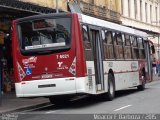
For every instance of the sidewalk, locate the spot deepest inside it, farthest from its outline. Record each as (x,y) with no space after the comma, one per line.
(155,78)
(11,103)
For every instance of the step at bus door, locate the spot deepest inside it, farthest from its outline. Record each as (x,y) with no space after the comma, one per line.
(95,37)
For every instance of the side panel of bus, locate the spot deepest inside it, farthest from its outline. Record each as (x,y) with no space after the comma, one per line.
(126,73)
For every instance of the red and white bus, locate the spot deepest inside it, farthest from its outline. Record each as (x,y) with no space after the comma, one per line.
(68,54)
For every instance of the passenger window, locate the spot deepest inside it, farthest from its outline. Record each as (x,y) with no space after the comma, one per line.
(140,42)
(87,44)
(127,47)
(108,44)
(118,45)
(127,40)
(135,50)
(141,48)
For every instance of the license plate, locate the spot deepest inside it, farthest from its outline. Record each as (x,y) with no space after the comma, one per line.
(46,76)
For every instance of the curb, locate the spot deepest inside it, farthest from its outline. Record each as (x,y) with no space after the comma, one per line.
(153,82)
(23,108)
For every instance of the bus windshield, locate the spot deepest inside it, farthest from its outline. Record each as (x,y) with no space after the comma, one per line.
(44,34)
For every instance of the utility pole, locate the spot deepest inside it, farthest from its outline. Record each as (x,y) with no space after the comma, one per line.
(158,46)
(0,81)
(57,11)
(159,31)
(158,40)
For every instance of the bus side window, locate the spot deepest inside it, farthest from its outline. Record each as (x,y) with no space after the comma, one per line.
(135,50)
(108,45)
(118,45)
(127,46)
(87,44)
(141,48)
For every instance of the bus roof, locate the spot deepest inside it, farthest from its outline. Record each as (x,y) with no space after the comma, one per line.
(95,21)
(110,25)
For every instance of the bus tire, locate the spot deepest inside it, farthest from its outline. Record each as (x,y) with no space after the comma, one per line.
(111,87)
(142,86)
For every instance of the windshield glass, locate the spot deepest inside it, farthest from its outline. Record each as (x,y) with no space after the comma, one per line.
(45,33)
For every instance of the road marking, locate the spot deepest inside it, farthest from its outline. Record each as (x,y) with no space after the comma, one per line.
(49,112)
(123,107)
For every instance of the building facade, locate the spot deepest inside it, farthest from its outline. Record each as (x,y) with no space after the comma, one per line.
(139,14)
(62,4)
(105,9)
(144,15)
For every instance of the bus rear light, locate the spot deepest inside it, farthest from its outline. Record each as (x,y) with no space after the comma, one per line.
(72,68)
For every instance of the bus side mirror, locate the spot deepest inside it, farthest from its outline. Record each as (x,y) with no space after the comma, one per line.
(153,49)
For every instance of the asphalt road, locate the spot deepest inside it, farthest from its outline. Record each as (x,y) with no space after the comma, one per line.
(129,101)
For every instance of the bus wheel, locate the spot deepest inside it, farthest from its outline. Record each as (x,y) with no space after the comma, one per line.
(142,86)
(111,87)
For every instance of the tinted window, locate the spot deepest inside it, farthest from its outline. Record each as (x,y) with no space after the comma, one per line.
(108,44)
(45,34)
(118,42)
(140,42)
(141,48)
(135,50)
(87,44)
(127,40)
(127,47)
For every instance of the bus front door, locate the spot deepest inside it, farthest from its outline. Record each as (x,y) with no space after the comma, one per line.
(148,60)
(98,60)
